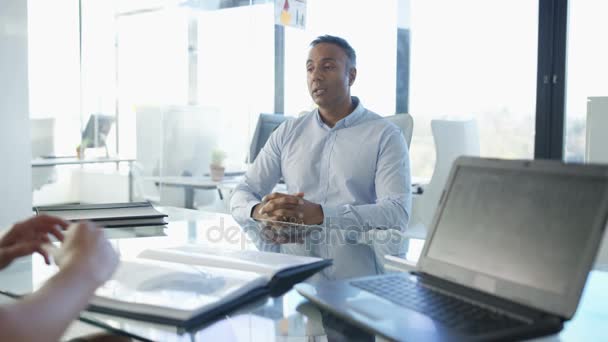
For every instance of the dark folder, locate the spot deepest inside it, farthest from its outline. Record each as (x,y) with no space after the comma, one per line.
(109,215)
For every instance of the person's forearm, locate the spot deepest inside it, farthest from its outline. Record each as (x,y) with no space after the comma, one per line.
(242,202)
(45,314)
(386,214)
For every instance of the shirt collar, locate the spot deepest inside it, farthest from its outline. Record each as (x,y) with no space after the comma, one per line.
(350,120)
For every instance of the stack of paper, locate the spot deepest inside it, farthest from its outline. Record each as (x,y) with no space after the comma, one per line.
(109,215)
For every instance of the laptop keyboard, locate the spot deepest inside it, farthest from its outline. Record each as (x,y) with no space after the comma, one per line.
(455,313)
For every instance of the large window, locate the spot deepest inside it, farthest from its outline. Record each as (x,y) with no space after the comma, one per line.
(474,59)
(151,52)
(236,72)
(214,63)
(467,60)
(53,68)
(180,79)
(370,27)
(586,75)
(183,78)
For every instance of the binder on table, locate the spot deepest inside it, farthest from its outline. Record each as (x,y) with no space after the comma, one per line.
(108,215)
(192,285)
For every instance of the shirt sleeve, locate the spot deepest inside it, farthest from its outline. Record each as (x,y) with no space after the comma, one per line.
(260,179)
(393,193)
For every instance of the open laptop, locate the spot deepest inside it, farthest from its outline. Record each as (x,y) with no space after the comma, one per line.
(507,257)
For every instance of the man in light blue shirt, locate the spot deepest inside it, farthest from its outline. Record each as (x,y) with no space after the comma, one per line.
(345,168)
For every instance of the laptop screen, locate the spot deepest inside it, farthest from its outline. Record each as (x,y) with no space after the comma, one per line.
(521,225)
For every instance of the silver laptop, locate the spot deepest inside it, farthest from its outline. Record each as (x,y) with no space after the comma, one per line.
(506,257)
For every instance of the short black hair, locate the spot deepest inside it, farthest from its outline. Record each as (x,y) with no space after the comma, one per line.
(341,43)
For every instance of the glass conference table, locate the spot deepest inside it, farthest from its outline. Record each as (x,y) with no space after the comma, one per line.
(287,318)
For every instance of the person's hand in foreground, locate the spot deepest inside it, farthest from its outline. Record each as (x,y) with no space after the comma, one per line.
(86,260)
(86,250)
(27,237)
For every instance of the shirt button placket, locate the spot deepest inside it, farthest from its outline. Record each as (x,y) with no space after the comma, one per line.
(325,168)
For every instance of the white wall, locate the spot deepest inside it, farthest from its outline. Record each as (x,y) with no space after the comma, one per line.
(15,151)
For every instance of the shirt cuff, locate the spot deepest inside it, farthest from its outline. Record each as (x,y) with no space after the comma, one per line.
(249,208)
(330,216)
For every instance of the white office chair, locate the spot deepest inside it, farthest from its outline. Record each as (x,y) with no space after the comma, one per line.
(146,191)
(452,140)
(405,122)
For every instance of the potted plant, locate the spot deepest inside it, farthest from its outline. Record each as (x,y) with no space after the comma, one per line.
(217,165)
(82,147)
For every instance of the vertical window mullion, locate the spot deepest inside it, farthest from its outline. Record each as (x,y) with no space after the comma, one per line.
(558,79)
(542,139)
(550,89)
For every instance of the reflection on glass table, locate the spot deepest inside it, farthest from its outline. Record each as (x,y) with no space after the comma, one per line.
(274,319)
(289,317)
(292,318)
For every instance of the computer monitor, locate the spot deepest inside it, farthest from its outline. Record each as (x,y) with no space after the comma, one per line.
(267,123)
(97,129)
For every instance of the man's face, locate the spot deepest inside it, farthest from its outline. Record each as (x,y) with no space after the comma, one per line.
(329,75)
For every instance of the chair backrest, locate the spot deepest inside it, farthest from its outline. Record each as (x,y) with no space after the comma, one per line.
(452,140)
(405,123)
(146,191)
(267,124)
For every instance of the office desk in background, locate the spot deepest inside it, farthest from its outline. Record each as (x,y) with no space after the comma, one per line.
(189,184)
(50,162)
(286,318)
